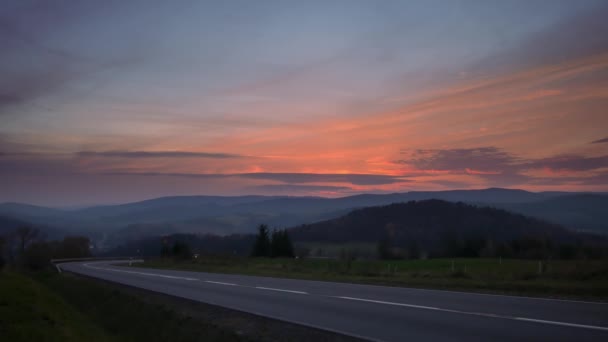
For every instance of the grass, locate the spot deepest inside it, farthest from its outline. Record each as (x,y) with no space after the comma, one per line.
(31,312)
(63,307)
(126,317)
(559,278)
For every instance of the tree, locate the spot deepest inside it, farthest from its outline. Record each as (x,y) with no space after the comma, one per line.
(2,244)
(275,244)
(38,255)
(73,247)
(288,250)
(413,250)
(261,247)
(181,250)
(164,251)
(280,244)
(384,249)
(25,235)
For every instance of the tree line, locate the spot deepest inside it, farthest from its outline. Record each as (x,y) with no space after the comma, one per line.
(525,247)
(27,247)
(267,243)
(436,228)
(274,245)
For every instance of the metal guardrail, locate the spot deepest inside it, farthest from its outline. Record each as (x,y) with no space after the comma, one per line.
(55,262)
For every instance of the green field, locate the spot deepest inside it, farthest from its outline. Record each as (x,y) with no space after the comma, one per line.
(558,278)
(31,312)
(63,307)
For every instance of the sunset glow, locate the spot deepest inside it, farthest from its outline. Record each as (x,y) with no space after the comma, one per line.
(300,98)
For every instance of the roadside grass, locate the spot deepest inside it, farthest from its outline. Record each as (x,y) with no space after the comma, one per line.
(556,278)
(31,312)
(127,317)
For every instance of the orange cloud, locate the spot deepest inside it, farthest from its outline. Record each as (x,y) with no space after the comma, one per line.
(533,113)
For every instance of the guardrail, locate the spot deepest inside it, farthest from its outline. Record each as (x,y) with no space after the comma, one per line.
(55,262)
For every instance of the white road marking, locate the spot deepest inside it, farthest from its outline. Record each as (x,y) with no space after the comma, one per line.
(595,327)
(220,283)
(499,295)
(281,290)
(391,303)
(140,273)
(482,314)
(524,319)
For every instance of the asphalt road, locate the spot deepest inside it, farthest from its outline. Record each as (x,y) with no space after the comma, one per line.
(374,312)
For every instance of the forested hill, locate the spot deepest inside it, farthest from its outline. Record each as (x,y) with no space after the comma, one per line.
(434,225)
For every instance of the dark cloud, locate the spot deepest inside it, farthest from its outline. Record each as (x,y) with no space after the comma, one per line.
(21,87)
(575,36)
(488,159)
(12,164)
(33,67)
(157,154)
(303,178)
(599,179)
(601,141)
(290,188)
(568,162)
(288,178)
(500,167)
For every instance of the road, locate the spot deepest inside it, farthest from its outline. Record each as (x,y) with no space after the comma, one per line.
(371,312)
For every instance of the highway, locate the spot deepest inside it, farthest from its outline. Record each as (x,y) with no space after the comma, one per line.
(370,312)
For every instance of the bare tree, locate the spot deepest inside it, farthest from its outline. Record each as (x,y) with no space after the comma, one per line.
(25,235)
(2,244)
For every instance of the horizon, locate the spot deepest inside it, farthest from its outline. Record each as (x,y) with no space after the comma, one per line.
(301,99)
(92,205)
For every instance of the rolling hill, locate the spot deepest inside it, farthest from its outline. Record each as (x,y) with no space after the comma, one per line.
(241,214)
(433,225)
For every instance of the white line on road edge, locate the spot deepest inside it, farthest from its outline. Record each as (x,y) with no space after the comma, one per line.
(220,283)
(281,290)
(566,324)
(141,273)
(562,323)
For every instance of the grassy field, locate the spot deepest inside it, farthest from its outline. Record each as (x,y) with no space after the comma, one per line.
(559,278)
(31,312)
(54,307)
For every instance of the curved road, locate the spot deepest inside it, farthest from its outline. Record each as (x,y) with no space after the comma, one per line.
(373,312)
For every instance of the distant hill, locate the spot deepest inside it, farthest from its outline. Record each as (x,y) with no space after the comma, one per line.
(411,230)
(241,214)
(582,212)
(433,224)
(27,210)
(9,224)
(425,218)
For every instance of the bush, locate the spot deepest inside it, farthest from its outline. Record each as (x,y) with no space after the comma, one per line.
(181,250)
(38,255)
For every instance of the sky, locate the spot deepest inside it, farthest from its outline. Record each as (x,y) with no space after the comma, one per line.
(117,101)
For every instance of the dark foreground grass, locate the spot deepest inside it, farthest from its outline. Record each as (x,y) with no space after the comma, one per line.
(126,317)
(559,278)
(64,307)
(31,312)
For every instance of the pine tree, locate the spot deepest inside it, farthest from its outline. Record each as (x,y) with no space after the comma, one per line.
(261,248)
(281,245)
(384,249)
(287,245)
(275,244)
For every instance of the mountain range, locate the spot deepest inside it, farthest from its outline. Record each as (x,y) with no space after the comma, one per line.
(113,224)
